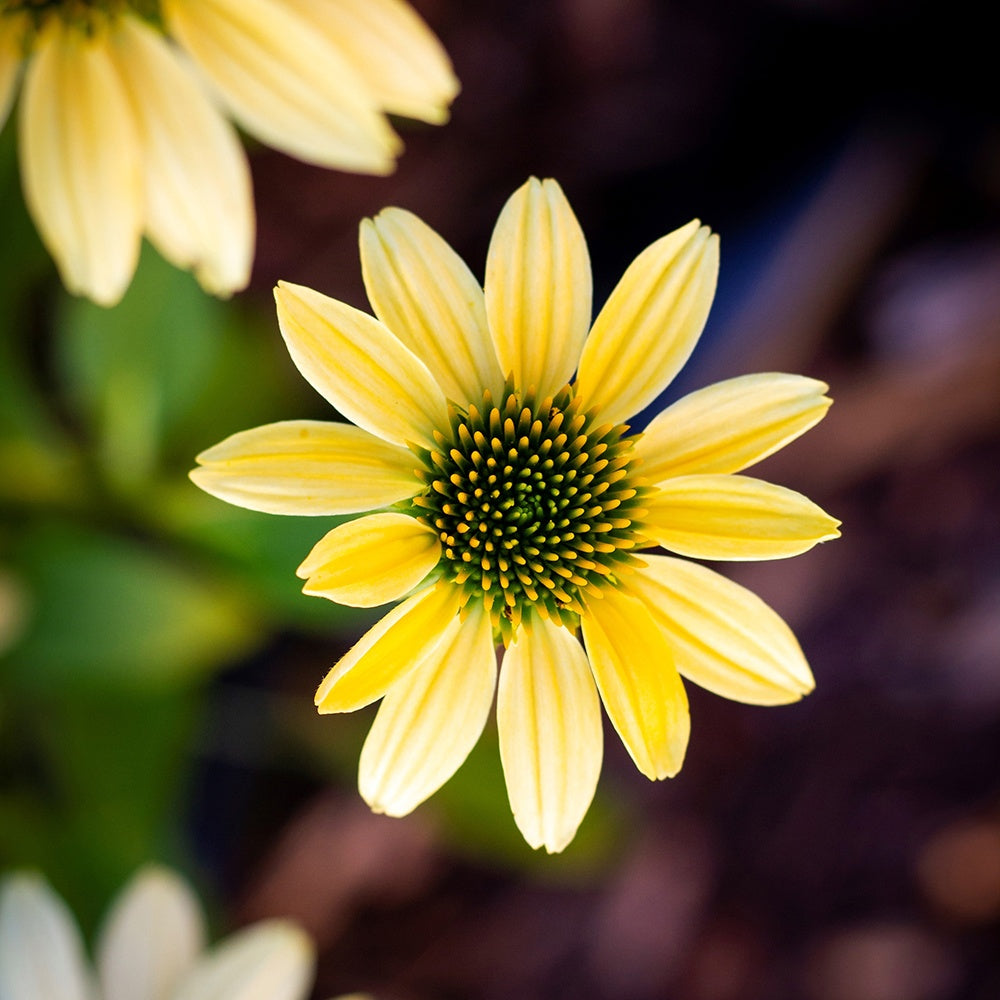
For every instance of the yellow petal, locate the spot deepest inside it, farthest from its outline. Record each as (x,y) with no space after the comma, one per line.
(424,293)
(199,204)
(80,162)
(306,467)
(639,684)
(538,287)
(371,561)
(388,651)
(12,29)
(430,720)
(650,324)
(284,82)
(386,43)
(724,637)
(730,425)
(734,517)
(355,363)
(551,741)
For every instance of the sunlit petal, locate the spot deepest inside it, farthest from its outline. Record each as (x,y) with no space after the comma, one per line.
(650,323)
(642,692)
(734,517)
(551,741)
(360,367)
(431,718)
(12,29)
(538,287)
(371,561)
(724,637)
(426,295)
(80,161)
(306,467)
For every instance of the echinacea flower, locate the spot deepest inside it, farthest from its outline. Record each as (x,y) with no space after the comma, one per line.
(122,131)
(514,504)
(151,947)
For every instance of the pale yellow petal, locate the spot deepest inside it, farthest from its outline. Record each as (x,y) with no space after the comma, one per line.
(371,561)
(388,651)
(199,202)
(734,517)
(430,720)
(270,960)
(284,82)
(724,637)
(307,467)
(650,324)
(80,162)
(642,692)
(151,938)
(12,28)
(551,740)
(426,295)
(386,43)
(538,287)
(355,363)
(730,425)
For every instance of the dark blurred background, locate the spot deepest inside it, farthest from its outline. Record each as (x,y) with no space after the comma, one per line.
(157,689)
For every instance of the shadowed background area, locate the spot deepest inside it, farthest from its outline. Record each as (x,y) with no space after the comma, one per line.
(156,690)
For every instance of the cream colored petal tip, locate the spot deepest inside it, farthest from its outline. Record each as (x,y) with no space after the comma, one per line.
(730,425)
(306,467)
(734,517)
(371,561)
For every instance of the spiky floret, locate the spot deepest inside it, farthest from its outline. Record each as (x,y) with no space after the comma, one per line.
(86,14)
(535,504)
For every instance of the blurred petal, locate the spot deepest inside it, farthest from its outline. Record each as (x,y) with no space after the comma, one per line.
(284,82)
(724,637)
(199,204)
(389,650)
(355,363)
(551,741)
(371,561)
(272,960)
(538,287)
(642,692)
(80,162)
(730,425)
(307,467)
(150,939)
(424,293)
(650,324)
(734,517)
(41,953)
(430,719)
(404,66)
(12,28)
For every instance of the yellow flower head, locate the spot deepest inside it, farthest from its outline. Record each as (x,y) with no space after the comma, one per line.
(518,505)
(122,130)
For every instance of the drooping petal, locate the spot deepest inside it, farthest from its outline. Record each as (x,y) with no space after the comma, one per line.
(730,425)
(426,295)
(650,323)
(199,203)
(355,363)
(307,467)
(371,561)
(386,43)
(12,28)
(551,740)
(734,517)
(151,938)
(80,161)
(284,82)
(41,953)
(724,637)
(389,650)
(538,287)
(430,720)
(271,960)
(642,692)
